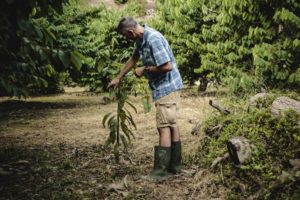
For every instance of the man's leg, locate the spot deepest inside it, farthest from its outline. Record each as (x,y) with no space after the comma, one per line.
(164,136)
(162,154)
(175,163)
(175,134)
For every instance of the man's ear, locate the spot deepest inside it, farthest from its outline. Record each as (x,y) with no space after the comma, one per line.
(130,32)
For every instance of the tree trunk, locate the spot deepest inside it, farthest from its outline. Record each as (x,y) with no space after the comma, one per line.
(203,84)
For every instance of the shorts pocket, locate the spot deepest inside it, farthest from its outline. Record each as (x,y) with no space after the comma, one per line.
(166,114)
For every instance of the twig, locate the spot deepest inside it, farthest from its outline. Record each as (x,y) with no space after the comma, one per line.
(220,109)
(219,159)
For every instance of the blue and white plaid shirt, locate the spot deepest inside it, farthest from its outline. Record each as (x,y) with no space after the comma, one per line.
(154,50)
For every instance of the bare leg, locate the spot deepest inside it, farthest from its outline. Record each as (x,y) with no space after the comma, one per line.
(164,136)
(175,135)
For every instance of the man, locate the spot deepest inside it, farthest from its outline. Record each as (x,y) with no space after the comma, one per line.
(165,81)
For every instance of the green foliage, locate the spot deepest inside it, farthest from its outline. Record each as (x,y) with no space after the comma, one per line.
(120,124)
(181,23)
(92,32)
(142,89)
(246,45)
(120,1)
(243,36)
(29,52)
(274,141)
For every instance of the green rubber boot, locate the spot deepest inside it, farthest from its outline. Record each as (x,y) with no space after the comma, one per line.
(161,163)
(175,163)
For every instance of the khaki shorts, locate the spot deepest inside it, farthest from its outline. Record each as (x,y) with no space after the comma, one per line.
(167,108)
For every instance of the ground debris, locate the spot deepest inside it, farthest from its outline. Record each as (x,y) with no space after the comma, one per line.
(118,187)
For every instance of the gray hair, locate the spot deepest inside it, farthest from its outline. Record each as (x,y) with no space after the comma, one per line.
(126,23)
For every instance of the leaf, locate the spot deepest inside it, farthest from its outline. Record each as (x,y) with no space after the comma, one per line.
(127,135)
(125,143)
(132,106)
(110,121)
(130,119)
(111,138)
(64,58)
(105,118)
(49,70)
(127,131)
(76,61)
(146,105)
(49,33)
(38,32)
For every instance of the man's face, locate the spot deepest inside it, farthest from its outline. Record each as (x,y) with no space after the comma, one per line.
(130,35)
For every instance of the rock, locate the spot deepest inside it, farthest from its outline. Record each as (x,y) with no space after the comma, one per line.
(257,100)
(239,149)
(107,100)
(281,104)
(295,163)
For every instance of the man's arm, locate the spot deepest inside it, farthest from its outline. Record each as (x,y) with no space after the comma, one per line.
(161,69)
(129,64)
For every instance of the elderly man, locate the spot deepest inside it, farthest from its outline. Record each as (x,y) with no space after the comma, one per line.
(165,82)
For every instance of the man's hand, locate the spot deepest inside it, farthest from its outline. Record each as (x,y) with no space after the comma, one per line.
(139,71)
(115,82)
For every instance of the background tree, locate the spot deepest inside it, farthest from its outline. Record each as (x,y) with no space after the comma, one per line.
(181,22)
(29,54)
(252,45)
(92,32)
(243,44)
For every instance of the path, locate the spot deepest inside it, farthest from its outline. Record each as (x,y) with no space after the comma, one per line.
(149,6)
(67,128)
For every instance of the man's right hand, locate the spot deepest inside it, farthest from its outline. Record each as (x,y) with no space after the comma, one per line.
(115,83)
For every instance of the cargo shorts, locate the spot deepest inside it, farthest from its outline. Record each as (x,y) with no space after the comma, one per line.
(167,109)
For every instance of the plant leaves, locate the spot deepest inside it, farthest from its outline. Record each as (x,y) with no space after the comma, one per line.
(105,118)
(132,106)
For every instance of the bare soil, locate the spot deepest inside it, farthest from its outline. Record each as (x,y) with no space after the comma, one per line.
(52,147)
(149,7)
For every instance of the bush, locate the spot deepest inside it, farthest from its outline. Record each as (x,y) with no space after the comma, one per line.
(274,141)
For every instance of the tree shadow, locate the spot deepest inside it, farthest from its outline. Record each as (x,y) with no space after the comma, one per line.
(36,109)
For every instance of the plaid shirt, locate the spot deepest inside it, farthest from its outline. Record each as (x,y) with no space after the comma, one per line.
(154,50)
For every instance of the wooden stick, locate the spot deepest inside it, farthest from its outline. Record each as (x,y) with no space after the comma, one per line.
(220,109)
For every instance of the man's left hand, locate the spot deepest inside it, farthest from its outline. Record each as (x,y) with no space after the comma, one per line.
(139,71)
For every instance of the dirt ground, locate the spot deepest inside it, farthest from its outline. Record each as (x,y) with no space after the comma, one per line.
(52,147)
(149,7)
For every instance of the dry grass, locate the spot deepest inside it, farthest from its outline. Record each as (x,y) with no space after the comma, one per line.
(73,121)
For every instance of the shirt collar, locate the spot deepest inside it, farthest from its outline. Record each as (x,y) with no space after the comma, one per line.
(146,34)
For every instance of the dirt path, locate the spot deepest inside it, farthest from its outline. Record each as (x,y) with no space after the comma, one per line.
(63,139)
(149,6)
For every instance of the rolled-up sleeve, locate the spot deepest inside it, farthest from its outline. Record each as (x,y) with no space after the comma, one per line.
(160,52)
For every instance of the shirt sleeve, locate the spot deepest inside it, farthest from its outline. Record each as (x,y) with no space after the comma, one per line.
(159,51)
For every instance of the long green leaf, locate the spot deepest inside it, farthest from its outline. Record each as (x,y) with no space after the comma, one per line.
(110,121)
(64,58)
(49,32)
(132,106)
(105,118)
(125,129)
(127,134)
(76,61)
(125,143)
(130,120)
